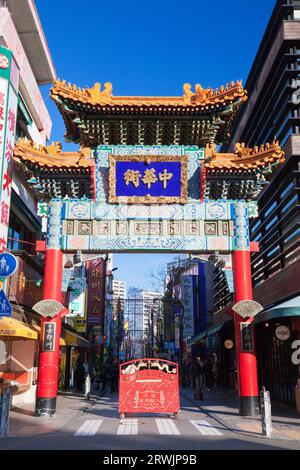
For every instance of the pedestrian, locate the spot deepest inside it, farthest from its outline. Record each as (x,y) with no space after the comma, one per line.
(183,374)
(115,376)
(197,375)
(208,373)
(79,375)
(104,376)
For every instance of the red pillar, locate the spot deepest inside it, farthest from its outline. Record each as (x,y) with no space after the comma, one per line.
(246,360)
(48,363)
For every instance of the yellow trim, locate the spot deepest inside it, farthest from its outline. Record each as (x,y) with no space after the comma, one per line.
(15,328)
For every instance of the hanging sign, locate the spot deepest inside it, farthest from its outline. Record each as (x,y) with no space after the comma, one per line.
(282,332)
(228,344)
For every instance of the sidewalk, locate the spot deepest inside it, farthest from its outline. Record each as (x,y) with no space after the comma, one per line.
(222,405)
(22,419)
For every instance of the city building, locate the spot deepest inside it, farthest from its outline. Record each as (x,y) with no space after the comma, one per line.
(144,310)
(273,113)
(119,290)
(24,47)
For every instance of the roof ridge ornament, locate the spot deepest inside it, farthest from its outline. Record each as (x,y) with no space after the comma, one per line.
(94,94)
(246,158)
(206,96)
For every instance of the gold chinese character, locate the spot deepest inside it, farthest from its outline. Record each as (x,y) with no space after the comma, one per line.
(133,177)
(149,177)
(164,177)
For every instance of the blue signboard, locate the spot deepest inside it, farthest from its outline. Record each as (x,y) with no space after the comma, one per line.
(8,264)
(153,179)
(5,307)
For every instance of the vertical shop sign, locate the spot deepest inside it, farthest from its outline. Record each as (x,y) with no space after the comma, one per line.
(187,299)
(95,273)
(9,84)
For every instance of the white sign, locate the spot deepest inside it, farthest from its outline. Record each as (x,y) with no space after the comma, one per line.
(282,333)
(77,298)
(188,306)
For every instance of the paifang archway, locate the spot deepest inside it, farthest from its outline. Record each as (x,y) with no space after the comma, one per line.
(148,178)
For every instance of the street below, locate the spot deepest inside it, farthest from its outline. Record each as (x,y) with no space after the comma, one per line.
(96,425)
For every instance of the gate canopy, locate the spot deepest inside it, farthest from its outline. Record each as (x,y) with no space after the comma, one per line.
(94,116)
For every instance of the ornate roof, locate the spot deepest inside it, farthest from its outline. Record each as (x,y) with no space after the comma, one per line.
(201,97)
(244,158)
(52,157)
(53,173)
(94,116)
(239,175)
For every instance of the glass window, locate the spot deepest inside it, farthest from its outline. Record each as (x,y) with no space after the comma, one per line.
(274,251)
(287,190)
(271,208)
(290,204)
(273,221)
(294,234)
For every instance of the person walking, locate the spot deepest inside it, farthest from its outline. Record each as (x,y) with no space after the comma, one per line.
(115,376)
(208,374)
(79,375)
(197,377)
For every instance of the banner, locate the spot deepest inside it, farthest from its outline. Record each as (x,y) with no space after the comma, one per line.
(9,83)
(95,283)
(187,300)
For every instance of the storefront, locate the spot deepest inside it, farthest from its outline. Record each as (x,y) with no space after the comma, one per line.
(19,358)
(276,330)
(75,346)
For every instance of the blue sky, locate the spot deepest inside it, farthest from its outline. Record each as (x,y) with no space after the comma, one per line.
(150,48)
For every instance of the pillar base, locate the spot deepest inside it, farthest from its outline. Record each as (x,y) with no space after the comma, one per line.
(45,406)
(249,406)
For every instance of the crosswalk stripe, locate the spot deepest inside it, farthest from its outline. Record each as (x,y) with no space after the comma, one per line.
(166,427)
(128,426)
(205,428)
(89,427)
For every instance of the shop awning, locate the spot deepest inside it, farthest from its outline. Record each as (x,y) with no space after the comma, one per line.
(196,339)
(290,308)
(83,343)
(215,329)
(17,329)
(70,338)
(204,334)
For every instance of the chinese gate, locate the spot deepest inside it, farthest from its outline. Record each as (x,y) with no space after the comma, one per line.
(148,178)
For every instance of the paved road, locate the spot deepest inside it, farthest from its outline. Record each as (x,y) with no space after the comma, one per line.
(100,428)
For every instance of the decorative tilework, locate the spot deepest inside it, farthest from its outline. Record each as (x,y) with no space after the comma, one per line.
(241,226)
(54,229)
(101,155)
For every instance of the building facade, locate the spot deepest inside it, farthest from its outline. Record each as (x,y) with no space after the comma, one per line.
(273,112)
(21,36)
